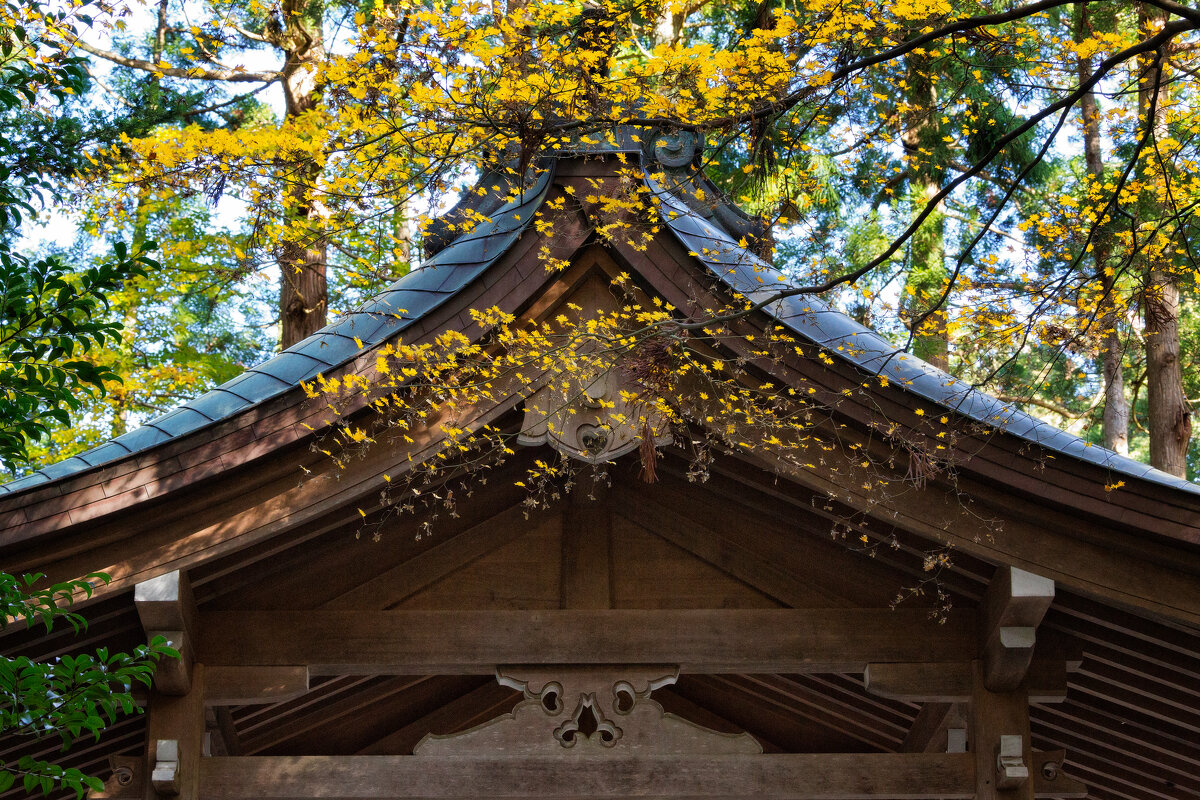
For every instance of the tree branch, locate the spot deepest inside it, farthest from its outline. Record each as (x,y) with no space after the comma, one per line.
(232,74)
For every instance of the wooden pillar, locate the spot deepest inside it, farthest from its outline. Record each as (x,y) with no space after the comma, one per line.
(999,737)
(175,742)
(586,538)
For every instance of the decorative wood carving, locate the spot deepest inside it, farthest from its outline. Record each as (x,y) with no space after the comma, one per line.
(587,711)
(126,781)
(595,422)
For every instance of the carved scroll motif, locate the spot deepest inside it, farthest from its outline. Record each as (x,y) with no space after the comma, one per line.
(593,423)
(587,711)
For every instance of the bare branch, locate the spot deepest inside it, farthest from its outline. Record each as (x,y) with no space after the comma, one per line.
(231,74)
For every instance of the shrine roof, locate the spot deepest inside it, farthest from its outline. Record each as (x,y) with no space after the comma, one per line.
(456,261)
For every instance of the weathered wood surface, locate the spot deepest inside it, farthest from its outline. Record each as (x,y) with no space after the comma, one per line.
(239,686)
(995,715)
(475,642)
(1013,608)
(167,608)
(760,777)
(1046,681)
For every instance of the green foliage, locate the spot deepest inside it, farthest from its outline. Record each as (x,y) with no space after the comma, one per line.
(50,322)
(69,696)
(51,316)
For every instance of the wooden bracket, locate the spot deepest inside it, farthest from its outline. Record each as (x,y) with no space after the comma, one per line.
(167,608)
(164,775)
(1015,604)
(1011,769)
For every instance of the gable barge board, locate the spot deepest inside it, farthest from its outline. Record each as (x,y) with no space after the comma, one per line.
(899,409)
(895,776)
(1079,481)
(152,479)
(476,642)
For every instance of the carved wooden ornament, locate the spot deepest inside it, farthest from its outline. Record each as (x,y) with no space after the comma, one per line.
(587,712)
(593,422)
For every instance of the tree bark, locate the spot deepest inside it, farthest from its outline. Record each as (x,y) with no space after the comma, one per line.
(1115,423)
(1170,420)
(927,274)
(303,261)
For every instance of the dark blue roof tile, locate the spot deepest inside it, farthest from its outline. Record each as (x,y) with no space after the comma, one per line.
(141,438)
(217,404)
(24,483)
(109,451)
(291,367)
(327,346)
(67,467)
(256,385)
(180,421)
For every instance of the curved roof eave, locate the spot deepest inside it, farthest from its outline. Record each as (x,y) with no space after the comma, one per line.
(813,319)
(453,267)
(396,308)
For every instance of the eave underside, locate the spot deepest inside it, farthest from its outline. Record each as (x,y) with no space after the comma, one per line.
(1129,724)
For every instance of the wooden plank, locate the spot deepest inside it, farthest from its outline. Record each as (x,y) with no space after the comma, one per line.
(406,579)
(852,776)
(484,703)
(727,554)
(242,686)
(1046,681)
(475,642)
(1013,608)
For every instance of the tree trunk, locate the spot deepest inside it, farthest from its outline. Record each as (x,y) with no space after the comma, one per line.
(1170,419)
(303,284)
(1115,424)
(927,274)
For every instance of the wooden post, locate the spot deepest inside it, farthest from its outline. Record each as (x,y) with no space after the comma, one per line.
(999,739)
(175,742)
(586,542)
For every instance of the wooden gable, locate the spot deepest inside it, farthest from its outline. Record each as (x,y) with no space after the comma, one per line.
(769,588)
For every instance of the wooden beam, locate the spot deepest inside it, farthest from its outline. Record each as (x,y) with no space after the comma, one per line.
(1046,681)
(852,776)
(475,642)
(930,730)
(1014,606)
(241,686)
(167,608)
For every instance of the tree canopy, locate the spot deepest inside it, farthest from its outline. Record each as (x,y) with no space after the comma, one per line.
(1006,187)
